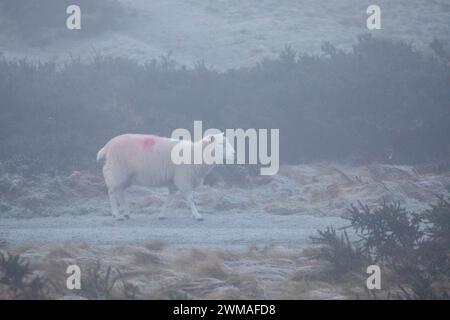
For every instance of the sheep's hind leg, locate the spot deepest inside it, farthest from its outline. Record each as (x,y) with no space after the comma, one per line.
(123,206)
(190,201)
(114,207)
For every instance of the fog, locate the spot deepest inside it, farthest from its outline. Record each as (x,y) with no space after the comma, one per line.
(363,118)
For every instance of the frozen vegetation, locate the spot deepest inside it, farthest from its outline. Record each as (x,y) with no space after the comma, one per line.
(363,119)
(320,189)
(226,34)
(253,243)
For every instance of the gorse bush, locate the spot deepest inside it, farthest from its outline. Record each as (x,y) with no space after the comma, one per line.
(382,95)
(414,247)
(18,280)
(339,251)
(388,232)
(438,222)
(99,282)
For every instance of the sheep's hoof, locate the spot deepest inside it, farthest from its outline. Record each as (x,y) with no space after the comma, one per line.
(120,218)
(161,217)
(199,218)
(127,216)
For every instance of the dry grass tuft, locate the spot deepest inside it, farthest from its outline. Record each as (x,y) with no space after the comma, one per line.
(155,245)
(201,263)
(154,271)
(146,258)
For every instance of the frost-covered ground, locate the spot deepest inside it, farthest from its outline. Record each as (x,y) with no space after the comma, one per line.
(234,33)
(226,229)
(251,244)
(284,209)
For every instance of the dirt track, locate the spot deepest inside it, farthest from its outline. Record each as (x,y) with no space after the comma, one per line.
(221,229)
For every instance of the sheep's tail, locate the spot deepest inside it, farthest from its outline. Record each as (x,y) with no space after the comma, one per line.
(101,154)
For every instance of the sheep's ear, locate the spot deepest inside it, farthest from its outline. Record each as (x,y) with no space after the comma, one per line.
(208,139)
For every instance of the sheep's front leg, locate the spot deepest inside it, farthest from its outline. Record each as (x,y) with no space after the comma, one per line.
(163,211)
(190,200)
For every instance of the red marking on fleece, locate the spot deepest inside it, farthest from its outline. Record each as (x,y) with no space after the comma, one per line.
(149,141)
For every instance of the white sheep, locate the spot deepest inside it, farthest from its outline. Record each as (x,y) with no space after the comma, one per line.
(145,160)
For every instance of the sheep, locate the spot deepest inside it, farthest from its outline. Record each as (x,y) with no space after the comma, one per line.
(146,160)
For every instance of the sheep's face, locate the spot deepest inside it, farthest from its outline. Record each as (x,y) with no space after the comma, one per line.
(220,142)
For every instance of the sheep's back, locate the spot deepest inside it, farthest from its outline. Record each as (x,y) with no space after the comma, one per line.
(144,159)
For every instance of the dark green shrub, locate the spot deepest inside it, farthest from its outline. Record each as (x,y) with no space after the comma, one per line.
(414,247)
(99,282)
(382,95)
(102,282)
(388,232)
(339,252)
(437,219)
(19,280)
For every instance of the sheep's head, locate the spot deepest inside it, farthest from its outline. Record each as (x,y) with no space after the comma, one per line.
(219,143)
